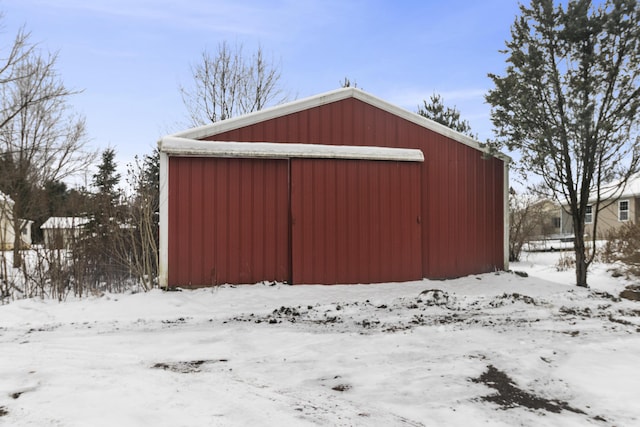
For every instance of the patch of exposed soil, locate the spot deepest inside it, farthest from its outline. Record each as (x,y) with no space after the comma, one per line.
(603,295)
(178,321)
(584,312)
(511,298)
(428,306)
(509,395)
(435,307)
(186,367)
(631,292)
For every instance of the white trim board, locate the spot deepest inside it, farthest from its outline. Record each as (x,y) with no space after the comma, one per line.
(178,146)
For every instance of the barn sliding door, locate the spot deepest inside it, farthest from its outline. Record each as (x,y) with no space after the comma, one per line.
(355,221)
(229,221)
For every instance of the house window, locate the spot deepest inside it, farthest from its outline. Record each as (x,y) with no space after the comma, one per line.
(623,210)
(556,222)
(588,215)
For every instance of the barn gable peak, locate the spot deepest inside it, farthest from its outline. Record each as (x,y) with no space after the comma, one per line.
(209,130)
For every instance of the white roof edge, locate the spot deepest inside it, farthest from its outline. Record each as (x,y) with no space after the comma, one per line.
(178,146)
(6,199)
(64,222)
(265,114)
(427,123)
(326,98)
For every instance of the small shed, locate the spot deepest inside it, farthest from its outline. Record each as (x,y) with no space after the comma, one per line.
(61,232)
(341,187)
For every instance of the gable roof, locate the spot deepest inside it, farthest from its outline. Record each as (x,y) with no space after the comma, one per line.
(64,222)
(205,131)
(611,190)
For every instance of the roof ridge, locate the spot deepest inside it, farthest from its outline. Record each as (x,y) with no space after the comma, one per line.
(325,98)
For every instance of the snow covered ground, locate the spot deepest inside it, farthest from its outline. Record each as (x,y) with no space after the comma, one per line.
(494,349)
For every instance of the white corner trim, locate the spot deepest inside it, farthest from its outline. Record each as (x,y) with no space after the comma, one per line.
(505,210)
(163,253)
(178,146)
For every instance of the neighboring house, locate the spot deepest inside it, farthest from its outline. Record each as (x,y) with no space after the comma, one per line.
(617,208)
(7,233)
(341,187)
(62,232)
(549,217)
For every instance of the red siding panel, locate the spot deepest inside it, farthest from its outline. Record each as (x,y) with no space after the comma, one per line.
(347,228)
(228,221)
(461,190)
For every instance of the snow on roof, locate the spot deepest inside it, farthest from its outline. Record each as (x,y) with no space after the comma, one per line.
(185,147)
(62,222)
(5,198)
(327,98)
(633,186)
(612,191)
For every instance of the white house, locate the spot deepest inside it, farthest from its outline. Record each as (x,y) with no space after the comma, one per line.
(7,232)
(60,232)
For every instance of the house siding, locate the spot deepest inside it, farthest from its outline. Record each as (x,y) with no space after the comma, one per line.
(608,219)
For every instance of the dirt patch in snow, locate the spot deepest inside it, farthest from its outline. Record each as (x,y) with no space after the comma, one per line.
(436,307)
(185,367)
(631,292)
(430,307)
(341,387)
(508,395)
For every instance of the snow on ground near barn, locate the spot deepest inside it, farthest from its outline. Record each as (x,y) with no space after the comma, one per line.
(494,349)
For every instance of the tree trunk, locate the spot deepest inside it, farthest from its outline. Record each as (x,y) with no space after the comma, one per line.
(17,242)
(581,265)
(581,258)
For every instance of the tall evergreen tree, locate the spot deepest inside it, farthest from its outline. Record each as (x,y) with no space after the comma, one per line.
(448,116)
(569,103)
(107,178)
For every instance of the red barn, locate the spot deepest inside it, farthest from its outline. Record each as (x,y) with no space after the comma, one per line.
(341,187)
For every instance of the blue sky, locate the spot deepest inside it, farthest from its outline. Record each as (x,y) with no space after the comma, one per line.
(130,56)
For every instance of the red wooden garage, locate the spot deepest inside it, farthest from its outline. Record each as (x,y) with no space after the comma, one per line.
(338,188)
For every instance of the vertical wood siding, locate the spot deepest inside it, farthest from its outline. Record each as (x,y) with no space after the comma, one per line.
(355,221)
(228,221)
(461,191)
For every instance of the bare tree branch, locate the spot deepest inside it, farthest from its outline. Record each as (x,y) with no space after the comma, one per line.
(227,84)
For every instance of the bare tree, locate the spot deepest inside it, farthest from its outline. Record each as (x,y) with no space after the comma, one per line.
(10,71)
(227,84)
(346,82)
(40,140)
(138,243)
(527,220)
